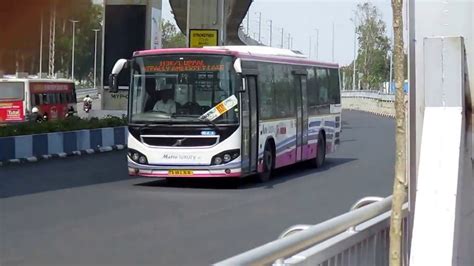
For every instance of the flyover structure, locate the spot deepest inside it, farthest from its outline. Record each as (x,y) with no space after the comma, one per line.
(224,16)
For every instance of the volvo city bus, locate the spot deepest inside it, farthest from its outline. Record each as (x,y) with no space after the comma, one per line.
(229,111)
(18,95)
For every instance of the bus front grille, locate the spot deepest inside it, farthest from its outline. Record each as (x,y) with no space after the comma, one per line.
(184,141)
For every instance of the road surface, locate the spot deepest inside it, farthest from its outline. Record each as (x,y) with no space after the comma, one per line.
(87,211)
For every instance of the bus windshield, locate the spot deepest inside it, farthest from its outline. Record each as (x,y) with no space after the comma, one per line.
(183,88)
(11,91)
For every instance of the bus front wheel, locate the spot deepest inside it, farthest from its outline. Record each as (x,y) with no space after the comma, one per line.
(268,162)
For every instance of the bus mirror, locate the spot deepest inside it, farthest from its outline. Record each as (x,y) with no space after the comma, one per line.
(242,83)
(113,83)
(113,78)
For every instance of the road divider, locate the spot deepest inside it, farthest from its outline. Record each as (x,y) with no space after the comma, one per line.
(33,148)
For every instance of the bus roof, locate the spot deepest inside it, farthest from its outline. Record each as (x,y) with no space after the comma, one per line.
(257,53)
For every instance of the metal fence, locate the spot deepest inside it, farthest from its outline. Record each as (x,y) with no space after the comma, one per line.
(359,237)
(376,95)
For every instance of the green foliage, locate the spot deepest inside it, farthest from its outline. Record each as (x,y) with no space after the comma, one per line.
(171,36)
(69,124)
(373,60)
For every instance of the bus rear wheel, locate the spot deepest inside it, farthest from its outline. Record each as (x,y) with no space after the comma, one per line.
(268,163)
(320,152)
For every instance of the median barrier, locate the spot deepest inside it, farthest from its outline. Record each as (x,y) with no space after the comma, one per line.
(32,148)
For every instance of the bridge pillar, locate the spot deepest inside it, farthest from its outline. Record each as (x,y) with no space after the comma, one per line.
(129,25)
(442,78)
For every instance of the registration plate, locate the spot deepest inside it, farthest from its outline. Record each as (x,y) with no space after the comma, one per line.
(180,172)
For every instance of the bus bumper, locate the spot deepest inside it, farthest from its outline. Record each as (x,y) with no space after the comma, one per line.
(221,171)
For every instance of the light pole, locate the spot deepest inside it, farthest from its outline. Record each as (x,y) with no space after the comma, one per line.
(259,27)
(333,41)
(317,43)
(95,57)
(73,45)
(309,52)
(41,46)
(355,58)
(289,41)
(282,37)
(271,31)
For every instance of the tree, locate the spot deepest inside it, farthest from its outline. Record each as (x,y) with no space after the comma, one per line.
(399,184)
(89,18)
(372,60)
(171,36)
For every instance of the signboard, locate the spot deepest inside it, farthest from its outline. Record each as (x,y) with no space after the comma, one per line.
(201,38)
(11,111)
(50,87)
(155,29)
(184,66)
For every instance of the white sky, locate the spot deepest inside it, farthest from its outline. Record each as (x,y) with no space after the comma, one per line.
(301,17)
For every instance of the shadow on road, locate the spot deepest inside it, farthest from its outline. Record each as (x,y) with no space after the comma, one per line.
(280,176)
(56,174)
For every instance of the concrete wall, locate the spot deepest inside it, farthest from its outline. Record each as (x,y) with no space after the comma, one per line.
(384,108)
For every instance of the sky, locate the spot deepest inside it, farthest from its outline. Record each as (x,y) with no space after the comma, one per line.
(300,18)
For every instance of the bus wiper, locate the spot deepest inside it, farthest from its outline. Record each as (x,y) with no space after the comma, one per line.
(211,123)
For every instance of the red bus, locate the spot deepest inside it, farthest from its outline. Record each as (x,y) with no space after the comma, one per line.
(19,95)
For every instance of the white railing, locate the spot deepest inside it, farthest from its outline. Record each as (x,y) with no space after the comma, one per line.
(376,95)
(359,237)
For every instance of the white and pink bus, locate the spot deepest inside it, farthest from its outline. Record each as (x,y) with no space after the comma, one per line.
(229,111)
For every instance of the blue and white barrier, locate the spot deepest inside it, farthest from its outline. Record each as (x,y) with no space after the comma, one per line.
(61,144)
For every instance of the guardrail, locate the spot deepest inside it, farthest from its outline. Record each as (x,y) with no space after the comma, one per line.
(343,240)
(376,95)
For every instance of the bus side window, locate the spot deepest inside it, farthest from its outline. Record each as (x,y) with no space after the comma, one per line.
(63,98)
(312,92)
(334,91)
(45,100)
(323,86)
(36,100)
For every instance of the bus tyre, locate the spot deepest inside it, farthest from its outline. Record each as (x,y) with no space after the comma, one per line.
(320,152)
(268,163)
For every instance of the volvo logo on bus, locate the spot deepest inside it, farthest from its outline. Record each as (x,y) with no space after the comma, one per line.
(179,142)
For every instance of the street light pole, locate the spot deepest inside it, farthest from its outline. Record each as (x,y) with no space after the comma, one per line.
(41,46)
(333,41)
(248,22)
(289,41)
(260,27)
(271,31)
(355,58)
(282,36)
(73,45)
(317,43)
(309,52)
(95,58)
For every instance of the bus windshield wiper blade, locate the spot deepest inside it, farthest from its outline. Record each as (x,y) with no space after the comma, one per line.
(209,122)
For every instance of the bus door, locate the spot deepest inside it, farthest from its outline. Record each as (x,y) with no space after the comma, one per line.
(301,116)
(249,125)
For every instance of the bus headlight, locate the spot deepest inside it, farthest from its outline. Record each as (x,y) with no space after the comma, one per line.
(217,160)
(137,157)
(225,157)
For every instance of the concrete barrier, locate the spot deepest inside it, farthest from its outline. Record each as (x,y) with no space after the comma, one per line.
(31,148)
(370,101)
(374,106)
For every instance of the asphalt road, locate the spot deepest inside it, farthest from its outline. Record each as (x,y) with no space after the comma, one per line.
(87,211)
